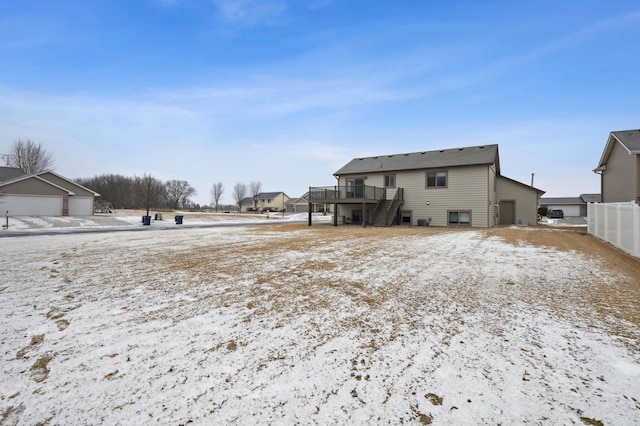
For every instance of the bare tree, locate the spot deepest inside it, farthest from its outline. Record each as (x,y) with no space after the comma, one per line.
(178,192)
(150,191)
(216,192)
(116,189)
(256,187)
(239,192)
(29,156)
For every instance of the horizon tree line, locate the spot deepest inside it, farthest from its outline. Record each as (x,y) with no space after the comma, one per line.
(124,192)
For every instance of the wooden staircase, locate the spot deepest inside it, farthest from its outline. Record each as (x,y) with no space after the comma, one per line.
(386,210)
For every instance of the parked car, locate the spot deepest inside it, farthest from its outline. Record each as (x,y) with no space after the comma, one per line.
(555,214)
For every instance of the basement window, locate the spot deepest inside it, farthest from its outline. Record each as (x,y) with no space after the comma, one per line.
(460,218)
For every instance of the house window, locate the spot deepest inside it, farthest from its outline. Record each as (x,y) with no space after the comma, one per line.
(405,217)
(459,218)
(389,181)
(436,179)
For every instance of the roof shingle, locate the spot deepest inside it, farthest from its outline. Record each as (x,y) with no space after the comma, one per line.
(630,139)
(475,155)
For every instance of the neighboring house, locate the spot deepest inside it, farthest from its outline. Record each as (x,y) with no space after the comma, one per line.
(571,206)
(43,194)
(8,173)
(296,205)
(619,167)
(301,205)
(272,201)
(449,187)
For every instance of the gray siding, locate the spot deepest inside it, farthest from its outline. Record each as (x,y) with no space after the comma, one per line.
(618,181)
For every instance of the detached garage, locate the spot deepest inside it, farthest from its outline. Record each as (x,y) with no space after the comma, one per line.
(43,194)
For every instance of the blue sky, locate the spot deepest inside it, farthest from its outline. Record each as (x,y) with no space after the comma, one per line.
(286,92)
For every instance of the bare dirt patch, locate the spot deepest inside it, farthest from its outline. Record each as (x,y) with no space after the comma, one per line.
(332,325)
(620,298)
(40,369)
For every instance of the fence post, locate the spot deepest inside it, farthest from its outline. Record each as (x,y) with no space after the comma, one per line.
(618,226)
(635,229)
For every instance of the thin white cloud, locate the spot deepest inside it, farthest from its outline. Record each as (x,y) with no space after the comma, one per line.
(570,40)
(251,12)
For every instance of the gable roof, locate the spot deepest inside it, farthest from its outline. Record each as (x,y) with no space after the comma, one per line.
(42,176)
(469,156)
(628,139)
(532,188)
(36,177)
(44,173)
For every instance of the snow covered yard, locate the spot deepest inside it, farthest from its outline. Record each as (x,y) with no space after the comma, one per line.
(287,324)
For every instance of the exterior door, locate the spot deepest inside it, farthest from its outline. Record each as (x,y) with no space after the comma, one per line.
(507,212)
(355,188)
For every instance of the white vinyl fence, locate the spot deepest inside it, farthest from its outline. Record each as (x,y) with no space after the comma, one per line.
(617,223)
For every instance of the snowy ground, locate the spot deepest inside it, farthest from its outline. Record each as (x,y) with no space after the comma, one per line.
(128,219)
(288,324)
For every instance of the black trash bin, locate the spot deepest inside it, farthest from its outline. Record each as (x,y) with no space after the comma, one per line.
(146,220)
(179,220)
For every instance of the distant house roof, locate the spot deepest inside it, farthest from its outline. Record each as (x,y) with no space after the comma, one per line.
(629,139)
(591,198)
(567,201)
(262,196)
(582,199)
(474,155)
(269,194)
(8,173)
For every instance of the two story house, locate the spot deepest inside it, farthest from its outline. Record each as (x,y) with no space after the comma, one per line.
(619,167)
(448,187)
(271,201)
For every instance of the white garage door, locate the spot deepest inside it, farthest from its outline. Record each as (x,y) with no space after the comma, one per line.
(31,205)
(567,210)
(80,206)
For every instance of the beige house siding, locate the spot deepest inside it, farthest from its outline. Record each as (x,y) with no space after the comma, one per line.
(273,204)
(33,186)
(525,197)
(469,188)
(76,189)
(619,184)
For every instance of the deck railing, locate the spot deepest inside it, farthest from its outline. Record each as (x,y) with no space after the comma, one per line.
(344,193)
